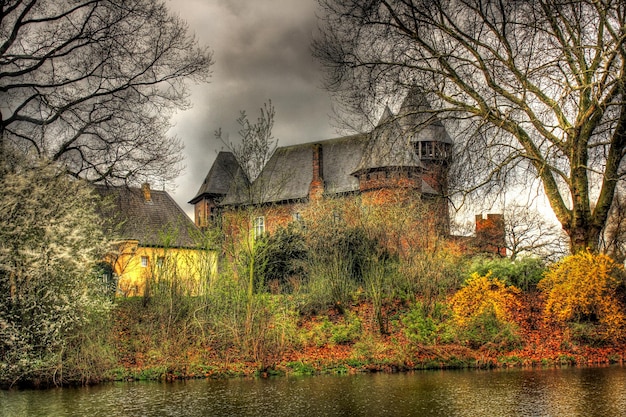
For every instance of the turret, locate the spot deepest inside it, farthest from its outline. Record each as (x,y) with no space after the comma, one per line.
(429,138)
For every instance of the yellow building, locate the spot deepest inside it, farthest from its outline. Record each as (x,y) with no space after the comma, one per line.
(156,244)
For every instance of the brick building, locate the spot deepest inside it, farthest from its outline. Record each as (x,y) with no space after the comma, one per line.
(407,153)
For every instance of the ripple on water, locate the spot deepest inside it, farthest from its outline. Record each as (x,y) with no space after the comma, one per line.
(551,392)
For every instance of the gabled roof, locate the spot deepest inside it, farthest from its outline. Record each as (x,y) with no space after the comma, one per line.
(341,158)
(282,178)
(158,222)
(220,177)
(288,173)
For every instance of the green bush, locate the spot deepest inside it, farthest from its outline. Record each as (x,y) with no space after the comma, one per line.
(487,330)
(337,262)
(284,257)
(424,328)
(523,273)
(346,331)
(301,368)
(590,334)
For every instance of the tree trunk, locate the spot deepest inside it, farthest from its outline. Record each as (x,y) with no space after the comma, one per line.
(583,238)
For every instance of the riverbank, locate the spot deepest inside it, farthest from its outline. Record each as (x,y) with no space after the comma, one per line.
(347,342)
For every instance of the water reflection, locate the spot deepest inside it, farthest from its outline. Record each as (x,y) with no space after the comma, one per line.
(555,392)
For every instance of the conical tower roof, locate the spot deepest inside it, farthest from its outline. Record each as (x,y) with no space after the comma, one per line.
(419,121)
(388,147)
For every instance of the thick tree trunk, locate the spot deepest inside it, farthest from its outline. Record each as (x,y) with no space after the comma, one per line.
(583,239)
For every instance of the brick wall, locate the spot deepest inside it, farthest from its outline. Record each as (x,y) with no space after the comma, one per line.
(490,235)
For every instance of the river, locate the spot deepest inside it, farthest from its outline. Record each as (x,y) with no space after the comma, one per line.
(536,392)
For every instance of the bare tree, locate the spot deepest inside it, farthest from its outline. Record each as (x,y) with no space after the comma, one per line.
(245,226)
(528,232)
(255,147)
(92,84)
(537,87)
(257,144)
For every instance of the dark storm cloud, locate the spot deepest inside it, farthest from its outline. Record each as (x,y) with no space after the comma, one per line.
(261,52)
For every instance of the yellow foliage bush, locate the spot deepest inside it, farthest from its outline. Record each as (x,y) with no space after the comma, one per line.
(484,294)
(583,287)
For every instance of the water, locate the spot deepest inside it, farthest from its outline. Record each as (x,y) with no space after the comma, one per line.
(547,392)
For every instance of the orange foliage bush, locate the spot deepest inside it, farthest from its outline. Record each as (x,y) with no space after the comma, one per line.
(583,287)
(483,294)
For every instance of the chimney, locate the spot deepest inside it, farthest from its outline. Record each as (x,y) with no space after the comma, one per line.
(316,189)
(145,189)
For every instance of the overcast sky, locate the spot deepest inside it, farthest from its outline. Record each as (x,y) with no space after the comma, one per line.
(262,51)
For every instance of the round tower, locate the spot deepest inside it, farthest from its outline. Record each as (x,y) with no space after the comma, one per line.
(432,144)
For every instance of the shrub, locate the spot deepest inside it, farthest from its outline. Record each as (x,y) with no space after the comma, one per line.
(284,259)
(431,272)
(483,311)
(379,277)
(346,331)
(428,329)
(338,261)
(484,293)
(524,273)
(584,288)
(50,291)
(486,328)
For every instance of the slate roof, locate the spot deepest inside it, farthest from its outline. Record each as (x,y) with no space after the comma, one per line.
(388,147)
(288,173)
(159,222)
(340,159)
(220,177)
(283,178)
(419,121)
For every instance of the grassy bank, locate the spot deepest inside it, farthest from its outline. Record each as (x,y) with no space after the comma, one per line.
(347,306)
(346,342)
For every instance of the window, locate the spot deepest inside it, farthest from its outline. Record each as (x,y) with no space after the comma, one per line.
(298,219)
(144,261)
(160,261)
(259,226)
(428,150)
(434,150)
(213,214)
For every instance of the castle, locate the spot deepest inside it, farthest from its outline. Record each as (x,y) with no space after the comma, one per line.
(409,151)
